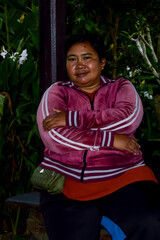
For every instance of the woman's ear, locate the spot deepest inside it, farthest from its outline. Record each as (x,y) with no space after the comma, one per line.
(103,63)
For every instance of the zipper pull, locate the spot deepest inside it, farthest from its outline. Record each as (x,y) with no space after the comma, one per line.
(96,148)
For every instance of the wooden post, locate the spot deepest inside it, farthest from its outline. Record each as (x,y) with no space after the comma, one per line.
(52,25)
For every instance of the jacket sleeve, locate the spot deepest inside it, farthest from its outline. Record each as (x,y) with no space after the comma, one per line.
(66,139)
(123,117)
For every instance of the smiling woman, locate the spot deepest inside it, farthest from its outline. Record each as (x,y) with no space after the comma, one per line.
(84,66)
(87,125)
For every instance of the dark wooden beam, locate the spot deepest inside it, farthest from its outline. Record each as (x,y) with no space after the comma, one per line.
(52,33)
(61,36)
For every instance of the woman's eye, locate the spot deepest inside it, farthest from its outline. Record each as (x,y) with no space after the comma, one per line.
(71,59)
(87,57)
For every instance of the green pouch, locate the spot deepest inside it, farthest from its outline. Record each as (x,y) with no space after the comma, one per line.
(47,180)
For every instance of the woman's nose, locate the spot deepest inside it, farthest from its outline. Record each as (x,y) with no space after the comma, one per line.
(80,64)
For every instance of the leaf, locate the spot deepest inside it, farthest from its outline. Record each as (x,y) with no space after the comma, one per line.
(9,101)
(2,191)
(2,140)
(35,37)
(1,23)
(22,29)
(22,107)
(156,153)
(2,100)
(18,4)
(145,77)
(26,69)
(31,133)
(4,75)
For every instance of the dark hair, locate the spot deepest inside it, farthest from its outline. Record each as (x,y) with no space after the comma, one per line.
(93,40)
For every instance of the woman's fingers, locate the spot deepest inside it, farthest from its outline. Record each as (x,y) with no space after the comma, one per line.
(125,143)
(55,120)
(47,122)
(56,110)
(133,146)
(47,126)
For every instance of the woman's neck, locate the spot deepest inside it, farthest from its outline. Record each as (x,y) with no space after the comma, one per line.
(90,89)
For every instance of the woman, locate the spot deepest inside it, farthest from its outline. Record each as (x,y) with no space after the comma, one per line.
(87,125)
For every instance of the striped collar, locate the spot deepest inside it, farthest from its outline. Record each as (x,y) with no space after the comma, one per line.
(104,81)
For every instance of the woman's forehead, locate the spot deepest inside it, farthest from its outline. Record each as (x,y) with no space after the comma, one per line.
(81,48)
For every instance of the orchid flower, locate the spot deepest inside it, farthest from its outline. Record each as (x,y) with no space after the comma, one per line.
(4,52)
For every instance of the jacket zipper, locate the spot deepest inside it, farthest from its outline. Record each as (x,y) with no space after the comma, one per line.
(84,164)
(85,152)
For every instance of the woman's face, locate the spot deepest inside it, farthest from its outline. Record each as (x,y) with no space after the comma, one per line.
(84,66)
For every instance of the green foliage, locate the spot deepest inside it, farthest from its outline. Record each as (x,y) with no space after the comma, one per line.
(132,17)
(19,97)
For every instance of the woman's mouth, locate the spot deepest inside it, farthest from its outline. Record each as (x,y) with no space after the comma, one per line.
(83,74)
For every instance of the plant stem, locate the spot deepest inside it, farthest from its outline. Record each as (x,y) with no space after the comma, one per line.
(14,226)
(17,218)
(6,24)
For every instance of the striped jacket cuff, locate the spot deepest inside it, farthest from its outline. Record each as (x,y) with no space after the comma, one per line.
(72,118)
(107,139)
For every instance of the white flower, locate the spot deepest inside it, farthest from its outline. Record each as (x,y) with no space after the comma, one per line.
(128,68)
(14,56)
(147,95)
(4,52)
(23,56)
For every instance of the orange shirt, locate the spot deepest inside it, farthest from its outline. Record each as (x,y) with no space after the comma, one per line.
(89,191)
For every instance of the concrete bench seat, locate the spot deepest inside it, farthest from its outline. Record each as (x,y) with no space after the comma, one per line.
(31,199)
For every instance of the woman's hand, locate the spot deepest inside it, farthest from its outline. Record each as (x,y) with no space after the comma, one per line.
(126,143)
(58,119)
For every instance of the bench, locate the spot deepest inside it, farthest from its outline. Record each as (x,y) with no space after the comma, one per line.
(35,223)
(31,199)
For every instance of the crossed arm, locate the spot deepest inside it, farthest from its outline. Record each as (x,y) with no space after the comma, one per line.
(121,141)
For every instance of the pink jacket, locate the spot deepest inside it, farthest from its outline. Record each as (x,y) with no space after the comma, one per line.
(83,150)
